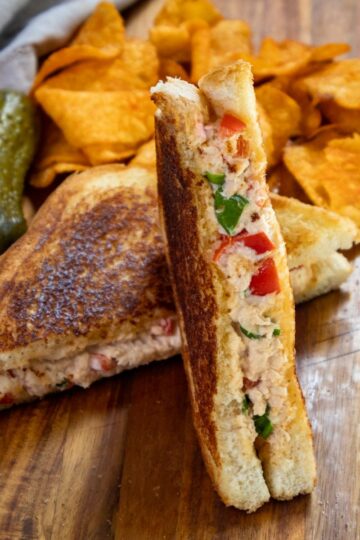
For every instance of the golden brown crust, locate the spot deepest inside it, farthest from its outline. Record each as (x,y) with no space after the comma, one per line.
(83,271)
(180,214)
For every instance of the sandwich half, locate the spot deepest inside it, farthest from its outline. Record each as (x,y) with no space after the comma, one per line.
(228,267)
(85,293)
(313,236)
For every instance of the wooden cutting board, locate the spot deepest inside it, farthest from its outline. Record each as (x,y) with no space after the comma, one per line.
(121,460)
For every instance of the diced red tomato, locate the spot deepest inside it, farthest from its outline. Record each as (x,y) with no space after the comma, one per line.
(265,280)
(229,125)
(259,242)
(168,326)
(7,399)
(101,362)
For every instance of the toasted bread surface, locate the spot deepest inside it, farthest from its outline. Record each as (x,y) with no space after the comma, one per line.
(310,231)
(312,236)
(90,267)
(196,288)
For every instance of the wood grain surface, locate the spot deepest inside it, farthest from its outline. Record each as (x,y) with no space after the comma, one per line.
(121,460)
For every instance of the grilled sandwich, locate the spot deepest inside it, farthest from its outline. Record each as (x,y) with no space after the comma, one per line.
(230,277)
(313,236)
(85,293)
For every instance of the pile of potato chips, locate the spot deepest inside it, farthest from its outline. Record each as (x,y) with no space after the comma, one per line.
(95,94)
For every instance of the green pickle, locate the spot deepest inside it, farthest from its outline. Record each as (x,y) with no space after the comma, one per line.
(18,136)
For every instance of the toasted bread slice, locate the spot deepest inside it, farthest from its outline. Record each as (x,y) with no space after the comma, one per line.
(85,292)
(211,299)
(313,237)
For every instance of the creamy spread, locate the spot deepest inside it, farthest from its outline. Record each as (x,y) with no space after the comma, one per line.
(159,341)
(244,251)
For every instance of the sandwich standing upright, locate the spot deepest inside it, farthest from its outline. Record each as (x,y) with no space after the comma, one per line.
(230,277)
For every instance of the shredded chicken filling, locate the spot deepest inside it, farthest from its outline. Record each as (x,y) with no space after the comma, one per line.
(244,251)
(160,340)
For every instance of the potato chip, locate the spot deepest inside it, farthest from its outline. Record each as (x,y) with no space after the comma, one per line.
(139,58)
(55,148)
(68,56)
(229,41)
(328,169)
(101,103)
(176,23)
(175,41)
(286,81)
(283,182)
(266,131)
(146,155)
(310,115)
(104,29)
(282,82)
(175,12)
(280,58)
(347,119)
(136,67)
(170,68)
(96,76)
(221,44)
(310,119)
(289,57)
(339,81)
(284,116)
(199,9)
(200,53)
(328,51)
(101,153)
(91,118)
(45,177)
(55,156)
(171,42)
(312,149)
(102,36)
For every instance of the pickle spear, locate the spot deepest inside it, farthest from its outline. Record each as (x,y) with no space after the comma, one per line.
(17,146)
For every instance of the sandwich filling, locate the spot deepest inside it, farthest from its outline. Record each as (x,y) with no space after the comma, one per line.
(159,341)
(243,250)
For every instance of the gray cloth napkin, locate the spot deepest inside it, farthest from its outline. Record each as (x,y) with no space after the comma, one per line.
(45,32)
